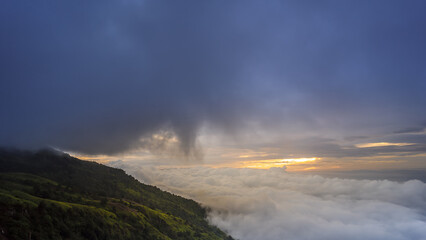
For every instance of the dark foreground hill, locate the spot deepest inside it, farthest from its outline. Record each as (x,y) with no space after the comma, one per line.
(51,195)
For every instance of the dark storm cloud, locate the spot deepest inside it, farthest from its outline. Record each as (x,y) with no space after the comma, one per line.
(96,77)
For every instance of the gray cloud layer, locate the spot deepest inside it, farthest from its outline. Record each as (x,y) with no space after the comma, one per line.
(272,205)
(96,77)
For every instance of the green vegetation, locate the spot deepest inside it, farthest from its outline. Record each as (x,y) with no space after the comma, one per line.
(51,195)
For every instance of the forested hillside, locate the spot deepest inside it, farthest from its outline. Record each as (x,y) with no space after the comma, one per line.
(51,195)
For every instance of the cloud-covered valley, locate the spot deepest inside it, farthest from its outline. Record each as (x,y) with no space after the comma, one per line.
(253,204)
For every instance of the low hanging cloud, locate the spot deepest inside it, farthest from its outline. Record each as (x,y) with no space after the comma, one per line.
(253,204)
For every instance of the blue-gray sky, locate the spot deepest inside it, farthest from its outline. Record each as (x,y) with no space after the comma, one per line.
(303,78)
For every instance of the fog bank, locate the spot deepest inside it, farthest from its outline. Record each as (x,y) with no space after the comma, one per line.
(252,204)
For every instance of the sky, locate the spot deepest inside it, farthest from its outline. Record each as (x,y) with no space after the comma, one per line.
(304,84)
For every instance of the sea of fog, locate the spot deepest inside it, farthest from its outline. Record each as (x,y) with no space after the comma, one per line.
(253,204)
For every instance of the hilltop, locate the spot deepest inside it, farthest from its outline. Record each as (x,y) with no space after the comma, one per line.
(51,195)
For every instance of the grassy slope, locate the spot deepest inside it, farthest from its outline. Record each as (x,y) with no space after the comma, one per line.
(51,195)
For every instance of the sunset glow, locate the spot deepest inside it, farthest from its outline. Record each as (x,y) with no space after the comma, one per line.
(382,144)
(265,164)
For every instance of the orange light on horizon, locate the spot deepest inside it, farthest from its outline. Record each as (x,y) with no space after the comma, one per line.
(381,144)
(265,164)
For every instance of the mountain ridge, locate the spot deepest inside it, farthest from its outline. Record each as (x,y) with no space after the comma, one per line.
(47,194)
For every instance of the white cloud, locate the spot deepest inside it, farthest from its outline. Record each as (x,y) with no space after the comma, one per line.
(254,204)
